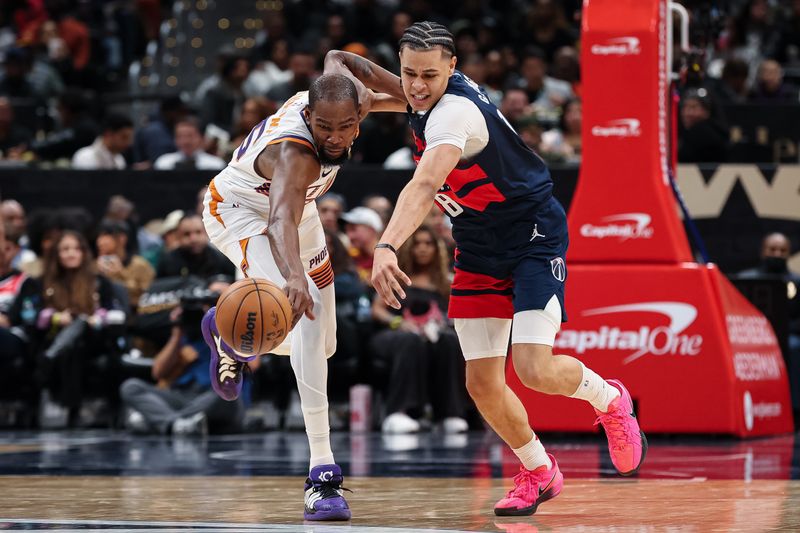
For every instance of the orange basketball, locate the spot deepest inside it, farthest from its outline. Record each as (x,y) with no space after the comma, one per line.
(253,316)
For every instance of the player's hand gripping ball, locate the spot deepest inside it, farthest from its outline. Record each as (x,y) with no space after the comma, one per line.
(253,316)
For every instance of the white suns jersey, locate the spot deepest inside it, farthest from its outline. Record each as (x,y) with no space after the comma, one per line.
(286,125)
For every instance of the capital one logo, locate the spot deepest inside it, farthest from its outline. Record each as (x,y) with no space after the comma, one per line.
(623,127)
(648,339)
(623,226)
(620,46)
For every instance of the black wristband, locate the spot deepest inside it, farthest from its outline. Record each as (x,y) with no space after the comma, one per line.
(386,245)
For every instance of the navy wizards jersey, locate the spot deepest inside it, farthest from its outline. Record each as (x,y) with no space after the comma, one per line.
(491,198)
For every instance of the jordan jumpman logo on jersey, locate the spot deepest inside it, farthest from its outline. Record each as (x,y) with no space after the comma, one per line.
(536,232)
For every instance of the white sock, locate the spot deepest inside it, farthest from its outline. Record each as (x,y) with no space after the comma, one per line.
(595,390)
(533,455)
(319,435)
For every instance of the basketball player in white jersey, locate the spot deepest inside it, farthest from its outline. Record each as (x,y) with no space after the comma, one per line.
(260,212)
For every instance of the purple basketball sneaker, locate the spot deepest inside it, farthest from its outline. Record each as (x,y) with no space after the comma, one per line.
(226,369)
(324,499)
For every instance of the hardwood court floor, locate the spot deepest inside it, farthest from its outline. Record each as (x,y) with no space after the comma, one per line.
(111,481)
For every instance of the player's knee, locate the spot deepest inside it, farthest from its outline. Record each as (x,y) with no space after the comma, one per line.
(483,386)
(534,365)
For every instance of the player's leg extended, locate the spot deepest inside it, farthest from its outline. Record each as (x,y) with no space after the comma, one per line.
(309,339)
(226,365)
(484,343)
(538,368)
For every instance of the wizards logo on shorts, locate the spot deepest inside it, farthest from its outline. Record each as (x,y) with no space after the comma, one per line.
(559,268)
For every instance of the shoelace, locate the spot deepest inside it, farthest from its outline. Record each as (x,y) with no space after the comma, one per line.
(329,490)
(228,364)
(524,482)
(614,424)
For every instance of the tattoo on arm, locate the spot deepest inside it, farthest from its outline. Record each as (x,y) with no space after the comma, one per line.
(363,67)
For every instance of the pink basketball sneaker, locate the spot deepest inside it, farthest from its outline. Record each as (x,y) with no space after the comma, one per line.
(626,442)
(531,487)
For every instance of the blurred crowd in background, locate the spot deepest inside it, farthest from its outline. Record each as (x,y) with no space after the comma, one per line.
(96,315)
(66,97)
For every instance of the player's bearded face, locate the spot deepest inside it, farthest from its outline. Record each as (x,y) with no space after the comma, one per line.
(424,74)
(334,126)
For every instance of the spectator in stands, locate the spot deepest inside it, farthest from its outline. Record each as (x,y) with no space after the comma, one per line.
(752,34)
(700,139)
(50,53)
(15,252)
(76,129)
(194,256)
(254,110)
(169,230)
(776,249)
(182,403)
(418,357)
(73,317)
(496,72)
(113,261)
(190,154)
(788,48)
(363,226)
(380,204)
(770,86)
(302,65)
(443,230)
(530,131)
(474,66)
(15,84)
(566,67)
(732,86)
(13,214)
(515,105)
(106,151)
(545,93)
(14,137)
(269,73)
(546,27)
(564,143)
(331,205)
(402,158)
(15,360)
(222,103)
(157,137)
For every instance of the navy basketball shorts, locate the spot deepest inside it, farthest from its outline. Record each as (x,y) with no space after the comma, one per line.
(523,276)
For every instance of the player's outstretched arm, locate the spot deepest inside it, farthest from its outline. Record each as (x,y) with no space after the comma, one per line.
(293,168)
(373,76)
(413,205)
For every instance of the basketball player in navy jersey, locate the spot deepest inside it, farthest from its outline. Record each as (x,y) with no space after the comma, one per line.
(510,269)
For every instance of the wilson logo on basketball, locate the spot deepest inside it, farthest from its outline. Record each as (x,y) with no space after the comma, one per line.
(248,337)
(659,340)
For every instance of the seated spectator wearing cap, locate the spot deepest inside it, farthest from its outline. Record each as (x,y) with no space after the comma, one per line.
(113,261)
(106,151)
(363,226)
(194,256)
(190,154)
(701,138)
